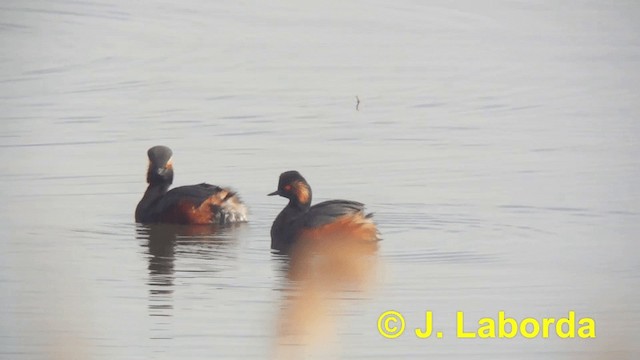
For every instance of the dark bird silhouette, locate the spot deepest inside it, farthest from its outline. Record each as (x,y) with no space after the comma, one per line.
(192,204)
(341,220)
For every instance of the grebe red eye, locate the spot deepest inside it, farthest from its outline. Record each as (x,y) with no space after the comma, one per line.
(287,187)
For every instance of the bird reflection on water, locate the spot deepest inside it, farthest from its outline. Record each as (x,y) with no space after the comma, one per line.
(166,243)
(321,276)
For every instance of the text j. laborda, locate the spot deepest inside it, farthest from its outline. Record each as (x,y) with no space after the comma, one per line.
(391,324)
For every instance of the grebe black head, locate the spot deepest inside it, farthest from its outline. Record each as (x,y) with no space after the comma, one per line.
(294,187)
(160,165)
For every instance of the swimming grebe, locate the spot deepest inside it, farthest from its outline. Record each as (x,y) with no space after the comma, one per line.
(335,219)
(192,204)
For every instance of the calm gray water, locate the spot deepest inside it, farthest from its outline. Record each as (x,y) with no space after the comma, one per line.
(496,143)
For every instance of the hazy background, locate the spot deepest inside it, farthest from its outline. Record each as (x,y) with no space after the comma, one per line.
(496,142)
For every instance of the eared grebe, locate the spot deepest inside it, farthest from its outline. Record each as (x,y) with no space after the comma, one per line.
(193,204)
(333,219)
